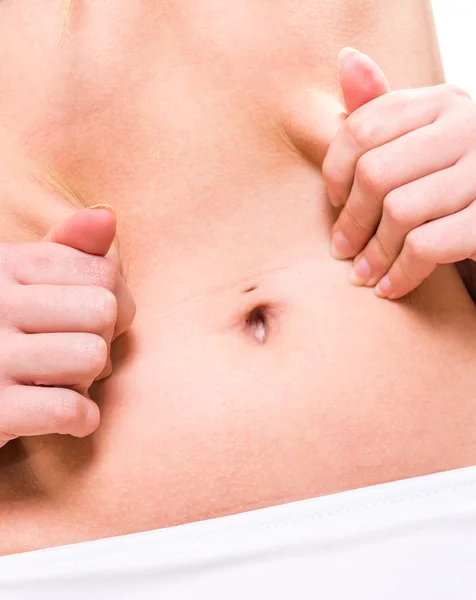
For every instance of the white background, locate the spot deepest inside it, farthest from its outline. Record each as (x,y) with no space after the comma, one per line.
(456,27)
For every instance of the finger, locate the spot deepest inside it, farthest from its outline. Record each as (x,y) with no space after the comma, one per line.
(54,264)
(107,371)
(91,230)
(57,309)
(313,118)
(63,359)
(384,169)
(361,79)
(444,241)
(27,411)
(126,308)
(374,124)
(408,207)
(125,317)
(126,311)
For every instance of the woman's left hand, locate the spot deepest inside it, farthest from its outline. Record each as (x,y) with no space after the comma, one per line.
(403,166)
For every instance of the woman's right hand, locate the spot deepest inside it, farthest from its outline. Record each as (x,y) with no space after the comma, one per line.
(62,302)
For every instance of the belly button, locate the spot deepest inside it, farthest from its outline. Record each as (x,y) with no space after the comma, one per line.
(257,323)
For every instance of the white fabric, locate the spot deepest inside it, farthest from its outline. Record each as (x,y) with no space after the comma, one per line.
(411,539)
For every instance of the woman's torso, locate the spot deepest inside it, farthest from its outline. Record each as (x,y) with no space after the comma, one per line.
(182,117)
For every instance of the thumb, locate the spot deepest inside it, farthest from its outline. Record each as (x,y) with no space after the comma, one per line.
(314,117)
(361,80)
(91,230)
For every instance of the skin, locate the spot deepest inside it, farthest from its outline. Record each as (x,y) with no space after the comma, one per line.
(74,364)
(392,165)
(253,373)
(63,302)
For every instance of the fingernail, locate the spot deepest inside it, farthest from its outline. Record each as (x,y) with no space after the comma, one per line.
(107,371)
(103,206)
(335,200)
(109,368)
(384,288)
(340,247)
(92,416)
(347,51)
(361,272)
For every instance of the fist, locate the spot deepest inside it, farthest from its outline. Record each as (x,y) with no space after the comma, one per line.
(62,302)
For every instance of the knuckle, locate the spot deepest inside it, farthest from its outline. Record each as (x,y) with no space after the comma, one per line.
(371,171)
(469,128)
(362,131)
(106,308)
(416,246)
(450,90)
(397,208)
